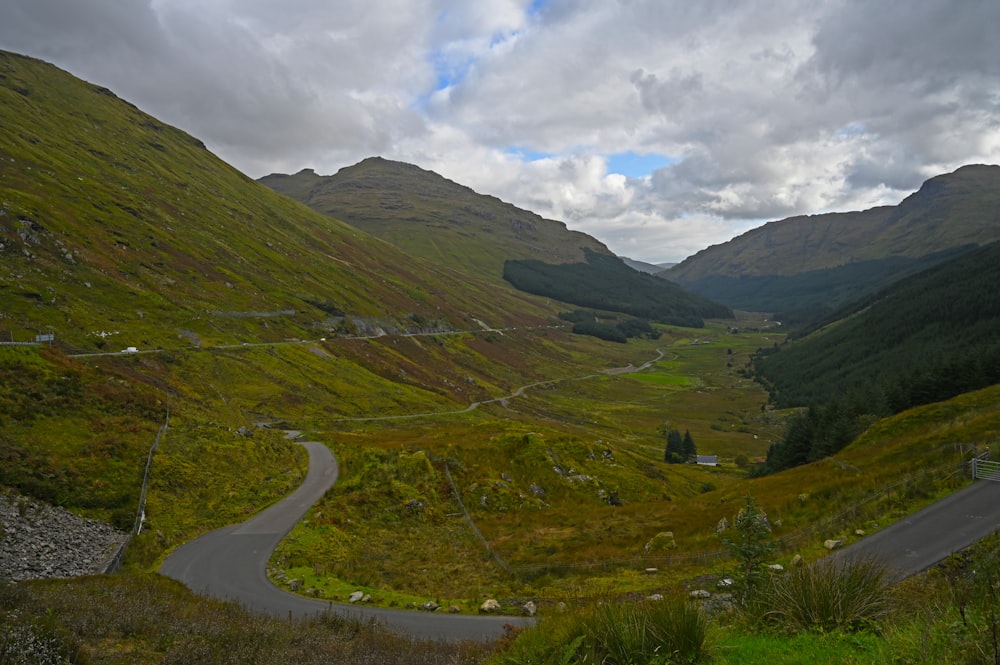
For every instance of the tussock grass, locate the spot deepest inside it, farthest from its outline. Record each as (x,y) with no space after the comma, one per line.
(615,633)
(826,596)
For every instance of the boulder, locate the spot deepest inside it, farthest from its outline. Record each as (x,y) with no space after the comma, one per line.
(664,540)
(776,568)
(700,594)
(654,597)
(796,561)
(489,606)
(429,606)
(833,543)
(529,609)
(356,597)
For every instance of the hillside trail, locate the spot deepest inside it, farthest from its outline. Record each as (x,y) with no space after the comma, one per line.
(518,392)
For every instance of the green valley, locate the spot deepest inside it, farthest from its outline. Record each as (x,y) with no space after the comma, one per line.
(151,292)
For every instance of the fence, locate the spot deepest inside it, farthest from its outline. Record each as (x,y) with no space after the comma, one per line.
(472,525)
(140,514)
(982,468)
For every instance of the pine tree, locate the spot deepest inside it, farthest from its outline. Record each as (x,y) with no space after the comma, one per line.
(688,446)
(674,453)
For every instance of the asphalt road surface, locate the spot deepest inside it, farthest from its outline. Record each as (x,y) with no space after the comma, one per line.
(231,564)
(918,541)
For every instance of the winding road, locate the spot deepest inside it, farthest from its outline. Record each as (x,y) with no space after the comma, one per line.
(231,564)
(918,541)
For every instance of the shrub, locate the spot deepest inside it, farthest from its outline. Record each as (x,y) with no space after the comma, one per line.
(655,632)
(828,595)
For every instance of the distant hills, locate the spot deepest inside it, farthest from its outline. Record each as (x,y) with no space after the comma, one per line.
(429,216)
(448,224)
(816,263)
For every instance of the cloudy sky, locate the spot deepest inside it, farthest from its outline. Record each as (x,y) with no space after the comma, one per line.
(658,126)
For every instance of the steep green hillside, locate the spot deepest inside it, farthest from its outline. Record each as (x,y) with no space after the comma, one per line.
(925,339)
(822,261)
(434,218)
(111,220)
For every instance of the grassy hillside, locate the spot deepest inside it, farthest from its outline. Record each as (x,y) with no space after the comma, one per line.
(110,220)
(812,261)
(434,218)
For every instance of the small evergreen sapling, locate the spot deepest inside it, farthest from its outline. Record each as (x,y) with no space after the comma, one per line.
(750,542)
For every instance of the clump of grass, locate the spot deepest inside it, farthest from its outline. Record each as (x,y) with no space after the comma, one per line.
(669,631)
(826,596)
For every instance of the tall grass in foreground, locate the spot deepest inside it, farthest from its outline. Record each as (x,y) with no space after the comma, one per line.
(825,596)
(653,632)
(137,619)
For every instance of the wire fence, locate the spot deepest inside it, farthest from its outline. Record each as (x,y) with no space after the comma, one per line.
(140,514)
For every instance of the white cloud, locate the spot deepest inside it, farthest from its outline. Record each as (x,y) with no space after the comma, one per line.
(760,109)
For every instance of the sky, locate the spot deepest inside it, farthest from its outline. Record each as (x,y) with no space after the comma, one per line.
(659,127)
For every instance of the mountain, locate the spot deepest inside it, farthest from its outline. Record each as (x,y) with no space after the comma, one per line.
(642,266)
(449,224)
(818,262)
(429,216)
(112,220)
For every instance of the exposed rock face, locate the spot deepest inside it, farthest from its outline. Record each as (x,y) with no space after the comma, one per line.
(41,541)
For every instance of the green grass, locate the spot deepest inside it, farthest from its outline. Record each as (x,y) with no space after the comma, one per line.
(742,648)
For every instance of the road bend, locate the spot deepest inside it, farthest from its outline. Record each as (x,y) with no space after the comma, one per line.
(918,541)
(231,564)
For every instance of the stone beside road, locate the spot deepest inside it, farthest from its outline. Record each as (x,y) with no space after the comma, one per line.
(41,541)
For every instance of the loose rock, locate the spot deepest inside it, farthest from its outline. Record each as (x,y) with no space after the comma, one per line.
(42,541)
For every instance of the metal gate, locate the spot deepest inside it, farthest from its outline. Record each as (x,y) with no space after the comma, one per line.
(984,469)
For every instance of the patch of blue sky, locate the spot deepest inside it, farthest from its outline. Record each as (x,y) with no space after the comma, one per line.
(535,7)
(528,155)
(635,165)
(852,129)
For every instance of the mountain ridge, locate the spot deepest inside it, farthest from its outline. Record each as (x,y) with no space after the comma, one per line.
(428,215)
(778,266)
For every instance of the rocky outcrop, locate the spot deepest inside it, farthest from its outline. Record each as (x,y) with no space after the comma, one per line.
(40,541)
